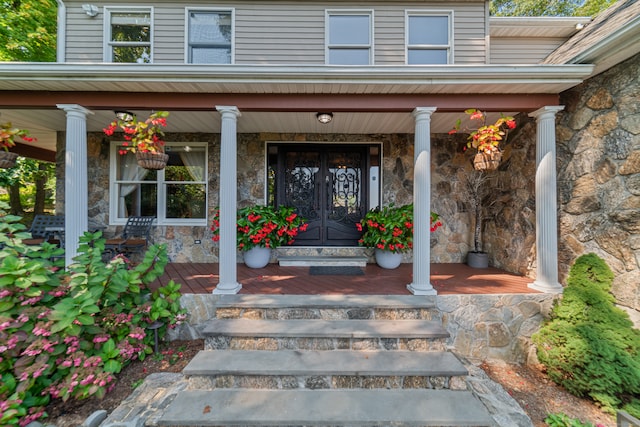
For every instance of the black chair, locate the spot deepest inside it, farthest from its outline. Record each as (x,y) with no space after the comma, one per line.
(46,228)
(135,236)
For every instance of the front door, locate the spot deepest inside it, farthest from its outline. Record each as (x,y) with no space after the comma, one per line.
(329,186)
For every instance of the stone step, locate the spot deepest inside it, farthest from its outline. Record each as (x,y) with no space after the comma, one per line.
(319,334)
(328,307)
(237,407)
(321,261)
(288,369)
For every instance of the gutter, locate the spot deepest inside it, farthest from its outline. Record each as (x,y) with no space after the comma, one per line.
(61,51)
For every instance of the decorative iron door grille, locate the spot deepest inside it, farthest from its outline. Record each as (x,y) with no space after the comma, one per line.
(329,187)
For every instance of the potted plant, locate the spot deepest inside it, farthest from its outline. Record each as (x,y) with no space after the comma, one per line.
(262,228)
(476,193)
(486,138)
(144,138)
(7,140)
(389,230)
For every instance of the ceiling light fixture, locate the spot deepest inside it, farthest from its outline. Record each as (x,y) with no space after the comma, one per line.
(125,116)
(324,118)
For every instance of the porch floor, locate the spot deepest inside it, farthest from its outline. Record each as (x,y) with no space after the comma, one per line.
(447,279)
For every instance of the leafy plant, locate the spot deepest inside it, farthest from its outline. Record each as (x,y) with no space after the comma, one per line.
(66,333)
(8,134)
(263,226)
(487,137)
(144,136)
(391,228)
(563,420)
(589,346)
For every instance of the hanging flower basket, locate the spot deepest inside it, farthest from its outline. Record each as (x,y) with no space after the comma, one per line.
(152,160)
(7,159)
(487,161)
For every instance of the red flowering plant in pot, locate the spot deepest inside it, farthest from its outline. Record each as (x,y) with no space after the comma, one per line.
(265,227)
(486,138)
(144,138)
(390,229)
(8,135)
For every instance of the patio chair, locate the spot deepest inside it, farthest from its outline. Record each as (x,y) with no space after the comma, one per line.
(134,238)
(46,228)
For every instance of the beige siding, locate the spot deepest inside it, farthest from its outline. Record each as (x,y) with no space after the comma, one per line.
(282,32)
(521,50)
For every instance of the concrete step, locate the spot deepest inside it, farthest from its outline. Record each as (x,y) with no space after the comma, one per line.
(234,407)
(288,369)
(328,307)
(321,261)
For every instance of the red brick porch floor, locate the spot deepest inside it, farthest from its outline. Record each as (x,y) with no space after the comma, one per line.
(447,279)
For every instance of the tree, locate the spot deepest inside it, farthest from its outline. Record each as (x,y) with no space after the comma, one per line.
(547,8)
(28,30)
(27,171)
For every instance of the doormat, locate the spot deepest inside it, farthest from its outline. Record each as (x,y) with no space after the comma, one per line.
(336,271)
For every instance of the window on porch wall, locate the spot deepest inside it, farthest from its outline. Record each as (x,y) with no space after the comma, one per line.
(209,37)
(349,36)
(428,38)
(176,195)
(128,35)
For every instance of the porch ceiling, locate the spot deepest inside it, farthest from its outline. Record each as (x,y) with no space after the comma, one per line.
(279,99)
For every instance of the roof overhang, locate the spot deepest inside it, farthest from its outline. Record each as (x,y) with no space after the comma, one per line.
(264,79)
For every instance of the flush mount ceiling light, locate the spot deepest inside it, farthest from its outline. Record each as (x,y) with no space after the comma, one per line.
(125,116)
(324,118)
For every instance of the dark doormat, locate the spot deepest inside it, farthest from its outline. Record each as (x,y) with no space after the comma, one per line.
(336,271)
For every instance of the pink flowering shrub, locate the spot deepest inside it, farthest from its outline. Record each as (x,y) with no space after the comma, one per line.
(67,333)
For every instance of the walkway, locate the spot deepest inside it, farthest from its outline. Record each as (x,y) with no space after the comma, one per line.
(447,279)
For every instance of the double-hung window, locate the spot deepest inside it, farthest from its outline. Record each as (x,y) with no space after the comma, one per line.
(128,35)
(210,37)
(349,37)
(429,38)
(176,195)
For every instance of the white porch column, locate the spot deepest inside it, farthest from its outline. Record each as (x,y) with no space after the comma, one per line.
(546,201)
(422,204)
(76,192)
(228,280)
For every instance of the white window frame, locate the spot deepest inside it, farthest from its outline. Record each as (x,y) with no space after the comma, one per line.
(188,10)
(161,218)
(435,13)
(355,12)
(108,44)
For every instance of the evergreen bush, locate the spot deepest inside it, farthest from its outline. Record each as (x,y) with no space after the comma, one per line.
(589,346)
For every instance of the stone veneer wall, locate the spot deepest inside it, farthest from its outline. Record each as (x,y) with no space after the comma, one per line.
(480,326)
(509,224)
(598,139)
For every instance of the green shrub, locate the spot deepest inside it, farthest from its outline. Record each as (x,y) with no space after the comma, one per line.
(66,333)
(589,346)
(563,420)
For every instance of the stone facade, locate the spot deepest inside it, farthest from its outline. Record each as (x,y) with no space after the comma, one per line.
(510,228)
(598,139)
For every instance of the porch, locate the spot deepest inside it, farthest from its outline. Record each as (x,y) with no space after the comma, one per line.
(447,279)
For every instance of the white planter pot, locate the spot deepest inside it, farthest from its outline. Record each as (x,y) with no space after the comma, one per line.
(388,259)
(257,257)
(478,259)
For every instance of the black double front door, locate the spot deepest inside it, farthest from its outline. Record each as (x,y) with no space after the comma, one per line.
(328,185)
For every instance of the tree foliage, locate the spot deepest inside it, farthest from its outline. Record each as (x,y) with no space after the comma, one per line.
(548,8)
(28,30)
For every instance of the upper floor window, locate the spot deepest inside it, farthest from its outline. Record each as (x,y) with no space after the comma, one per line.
(175,195)
(349,37)
(128,35)
(428,38)
(209,39)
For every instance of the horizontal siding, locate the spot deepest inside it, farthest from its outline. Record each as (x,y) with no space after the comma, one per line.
(282,32)
(522,51)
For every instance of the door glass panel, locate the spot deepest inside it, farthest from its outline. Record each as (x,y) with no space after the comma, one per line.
(302,187)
